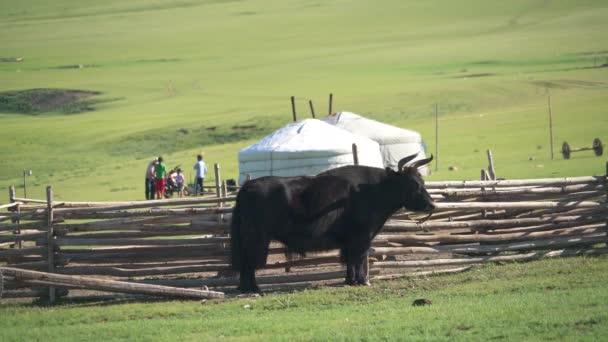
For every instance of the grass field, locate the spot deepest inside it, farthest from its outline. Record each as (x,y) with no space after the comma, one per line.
(205,67)
(560,300)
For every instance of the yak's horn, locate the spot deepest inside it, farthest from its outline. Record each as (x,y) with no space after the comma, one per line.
(422,162)
(405,160)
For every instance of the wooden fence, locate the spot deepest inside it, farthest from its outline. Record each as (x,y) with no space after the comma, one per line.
(185,242)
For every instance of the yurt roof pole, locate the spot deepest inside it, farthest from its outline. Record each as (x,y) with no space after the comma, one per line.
(293,108)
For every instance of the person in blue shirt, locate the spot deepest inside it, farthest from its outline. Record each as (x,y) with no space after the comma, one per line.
(201,171)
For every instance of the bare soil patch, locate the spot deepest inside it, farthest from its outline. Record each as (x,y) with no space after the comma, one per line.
(42,100)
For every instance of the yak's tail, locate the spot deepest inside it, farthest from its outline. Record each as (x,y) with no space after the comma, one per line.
(236,238)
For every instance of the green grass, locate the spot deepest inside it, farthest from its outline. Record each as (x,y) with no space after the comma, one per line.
(163,67)
(561,299)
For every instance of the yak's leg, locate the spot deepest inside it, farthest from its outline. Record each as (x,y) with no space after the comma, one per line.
(350,274)
(355,257)
(247,282)
(362,271)
(255,254)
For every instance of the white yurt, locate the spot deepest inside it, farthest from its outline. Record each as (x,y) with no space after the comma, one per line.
(395,143)
(305,147)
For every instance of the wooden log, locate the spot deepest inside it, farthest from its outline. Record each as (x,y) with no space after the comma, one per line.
(444,239)
(314,262)
(145,224)
(30,293)
(422,273)
(466,215)
(261,279)
(465,193)
(22,237)
(515,205)
(490,259)
(518,182)
(5,218)
(34,265)
(594,195)
(9,205)
(555,243)
(578,196)
(134,255)
(23,216)
(28,225)
(111,285)
(409,226)
(562,211)
(7,245)
(141,272)
(143,213)
(543,227)
(7,254)
(201,242)
(77,206)
(29,200)
(194,261)
(134,234)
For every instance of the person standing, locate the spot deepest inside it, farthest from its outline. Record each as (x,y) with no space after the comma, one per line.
(179,179)
(160,172)
(201,171)
(150,186)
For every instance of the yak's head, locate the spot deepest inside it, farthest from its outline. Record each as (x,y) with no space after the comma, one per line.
(414,194)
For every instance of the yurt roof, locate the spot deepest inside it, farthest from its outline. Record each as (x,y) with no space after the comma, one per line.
(311,137)
(383,133)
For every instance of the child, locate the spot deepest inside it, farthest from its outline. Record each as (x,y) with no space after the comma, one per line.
(180,182)
(160,171)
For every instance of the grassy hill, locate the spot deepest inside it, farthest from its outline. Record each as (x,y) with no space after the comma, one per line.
(179,77)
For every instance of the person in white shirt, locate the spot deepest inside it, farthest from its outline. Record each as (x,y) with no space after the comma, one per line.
(201,171)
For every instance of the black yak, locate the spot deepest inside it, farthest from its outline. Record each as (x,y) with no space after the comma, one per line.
(342,208)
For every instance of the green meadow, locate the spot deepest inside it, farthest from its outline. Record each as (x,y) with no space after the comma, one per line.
(181,77)
(563,300)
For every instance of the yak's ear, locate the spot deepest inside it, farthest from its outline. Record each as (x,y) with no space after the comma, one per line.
(389,171)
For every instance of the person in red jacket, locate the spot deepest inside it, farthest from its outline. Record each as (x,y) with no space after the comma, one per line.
(160,172)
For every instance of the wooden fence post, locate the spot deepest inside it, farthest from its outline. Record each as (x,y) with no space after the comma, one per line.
(50,239)
(491,170)
(484,177)
(436,137)
(331,103)
(11,197)
(11,194)
(550,126)
(218,189)
(312,109)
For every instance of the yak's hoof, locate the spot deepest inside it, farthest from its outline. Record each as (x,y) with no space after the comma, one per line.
(251,291)
(249,295)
